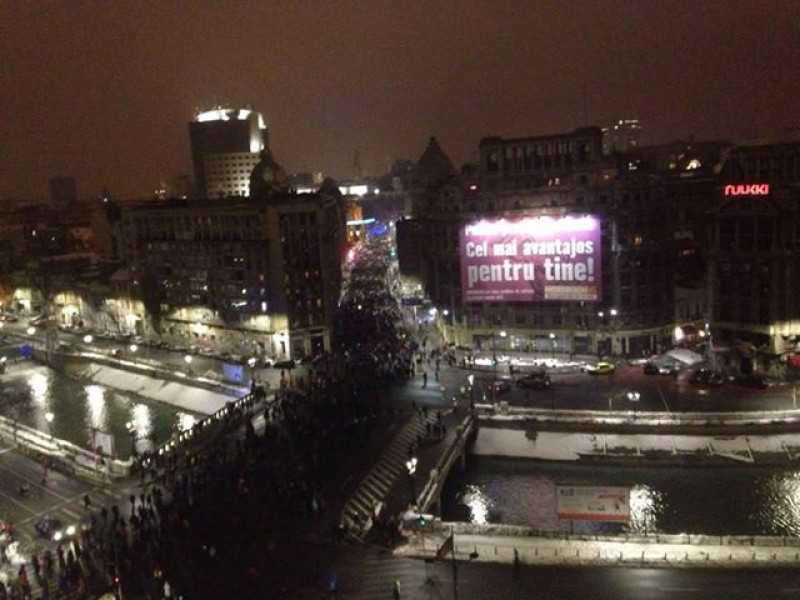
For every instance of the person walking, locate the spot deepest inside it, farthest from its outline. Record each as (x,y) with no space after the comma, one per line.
(396,590)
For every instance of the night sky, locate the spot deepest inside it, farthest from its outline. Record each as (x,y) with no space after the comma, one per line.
(104,91)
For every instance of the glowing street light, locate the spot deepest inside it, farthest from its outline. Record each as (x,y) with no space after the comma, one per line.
(133,348)
(88,339)
(31,330)
(411,467)
(188,358)
(48,416)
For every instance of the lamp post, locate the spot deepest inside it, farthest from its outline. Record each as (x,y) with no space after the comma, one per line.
(131,427)
(553,343)
(133,348)
(188,360)
(411,467)
(48,416)
(252,362)
(613,312)
(634,398)
(494,364)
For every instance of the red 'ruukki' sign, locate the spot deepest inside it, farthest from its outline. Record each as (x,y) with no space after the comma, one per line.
(747,189)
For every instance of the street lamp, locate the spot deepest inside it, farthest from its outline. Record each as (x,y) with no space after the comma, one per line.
(613,312)
(31,330)
(131,427)
(48,416)
(88,339)
(634,397)
(252,362)
(502,334)
(553,343)
(411,467)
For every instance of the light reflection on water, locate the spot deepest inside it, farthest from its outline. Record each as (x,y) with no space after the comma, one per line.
(79,410)
(713,501)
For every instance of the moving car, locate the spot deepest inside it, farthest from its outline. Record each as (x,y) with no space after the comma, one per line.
(501,386)
(601,368)
(654,368)
(534,381)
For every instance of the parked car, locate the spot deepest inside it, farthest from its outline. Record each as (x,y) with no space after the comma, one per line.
(601,368)
(284,364)
(707,377)
(753,380)
(534,381)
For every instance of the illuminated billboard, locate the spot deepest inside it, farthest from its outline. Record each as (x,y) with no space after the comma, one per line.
(531,259)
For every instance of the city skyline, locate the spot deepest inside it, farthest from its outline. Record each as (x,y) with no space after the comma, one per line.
(105,93)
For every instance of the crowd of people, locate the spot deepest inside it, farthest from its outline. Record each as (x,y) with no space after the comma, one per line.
(209,510)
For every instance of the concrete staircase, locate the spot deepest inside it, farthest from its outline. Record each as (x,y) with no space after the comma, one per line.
(378,483)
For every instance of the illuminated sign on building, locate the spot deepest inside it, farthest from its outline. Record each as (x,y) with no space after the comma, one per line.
(533,258)
(747,189)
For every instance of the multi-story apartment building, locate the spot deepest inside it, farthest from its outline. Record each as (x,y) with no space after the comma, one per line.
(253,275)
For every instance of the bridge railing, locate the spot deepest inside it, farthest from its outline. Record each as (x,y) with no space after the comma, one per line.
(692,539)
(439,474)
(637,417)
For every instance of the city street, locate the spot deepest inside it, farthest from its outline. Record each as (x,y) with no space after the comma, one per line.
(58,497)
(573,389)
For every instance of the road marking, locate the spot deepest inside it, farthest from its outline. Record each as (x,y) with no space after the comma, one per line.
(71,513)
(35,483)
(50,509)
(17,502)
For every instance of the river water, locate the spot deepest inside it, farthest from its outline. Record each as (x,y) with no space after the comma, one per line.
(709,500)
(87,414)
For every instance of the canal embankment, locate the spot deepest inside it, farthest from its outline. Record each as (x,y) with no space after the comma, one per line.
(509,544)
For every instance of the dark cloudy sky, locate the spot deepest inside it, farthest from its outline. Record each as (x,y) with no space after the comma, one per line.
(104,90)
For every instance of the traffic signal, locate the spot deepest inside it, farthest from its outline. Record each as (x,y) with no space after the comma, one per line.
(422,521)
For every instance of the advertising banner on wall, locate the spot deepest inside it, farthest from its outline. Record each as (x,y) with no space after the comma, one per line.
(591,503)
(531,259)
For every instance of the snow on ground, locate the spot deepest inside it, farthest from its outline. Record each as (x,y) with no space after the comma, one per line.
(199,400)
(546,445)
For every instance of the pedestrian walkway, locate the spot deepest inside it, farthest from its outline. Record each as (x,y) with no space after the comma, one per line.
(374,489)
(370,574)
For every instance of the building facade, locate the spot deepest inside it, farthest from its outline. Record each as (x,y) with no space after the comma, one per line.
(557,176)
(225,144)
(256,277)
(753,262)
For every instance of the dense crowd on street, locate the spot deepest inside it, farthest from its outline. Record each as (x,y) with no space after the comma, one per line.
(212,507)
